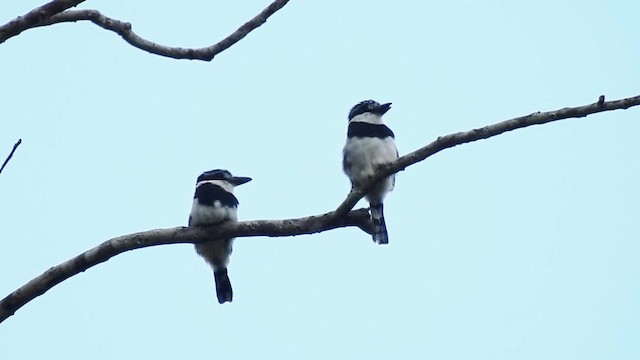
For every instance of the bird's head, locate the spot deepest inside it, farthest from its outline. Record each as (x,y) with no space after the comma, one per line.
(369,107)
(222,176)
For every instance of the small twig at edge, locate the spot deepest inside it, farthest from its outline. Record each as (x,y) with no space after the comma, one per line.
(10,154)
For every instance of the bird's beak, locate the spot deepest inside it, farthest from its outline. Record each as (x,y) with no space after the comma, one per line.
(382,108)
(239,180)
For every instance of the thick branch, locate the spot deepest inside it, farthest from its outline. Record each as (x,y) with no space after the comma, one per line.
(124,30)
(15,146)
(110,248)
(451,140)
(34,17)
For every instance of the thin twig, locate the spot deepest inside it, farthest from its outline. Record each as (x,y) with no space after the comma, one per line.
(125,31)
(15,146)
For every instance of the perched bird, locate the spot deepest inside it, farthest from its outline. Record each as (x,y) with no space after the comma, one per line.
(214,203)
(370,143)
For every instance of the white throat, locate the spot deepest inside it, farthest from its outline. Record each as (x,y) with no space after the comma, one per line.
(368,117)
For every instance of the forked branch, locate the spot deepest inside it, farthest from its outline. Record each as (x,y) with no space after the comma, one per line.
(343,216)
(179,235)
(451,140)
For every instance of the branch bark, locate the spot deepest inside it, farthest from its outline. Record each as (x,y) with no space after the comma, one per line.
(451,140)
(179,235)
(15,146)
(343,216)
(33,17)
(125,31)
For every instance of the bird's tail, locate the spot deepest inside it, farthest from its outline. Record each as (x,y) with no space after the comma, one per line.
(223,286)
(380,235)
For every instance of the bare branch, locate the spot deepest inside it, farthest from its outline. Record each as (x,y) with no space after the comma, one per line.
(180,235)
(33,17)
(342,217)
(451,140)
(15,146)
(124,30)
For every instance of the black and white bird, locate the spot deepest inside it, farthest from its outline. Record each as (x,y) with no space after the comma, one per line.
(370,143)
(214,203)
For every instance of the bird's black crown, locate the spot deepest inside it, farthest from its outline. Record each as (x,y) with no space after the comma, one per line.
(224,175)
(368,106)
(217,174)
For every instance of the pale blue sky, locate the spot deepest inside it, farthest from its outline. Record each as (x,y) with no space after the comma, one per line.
(523,246)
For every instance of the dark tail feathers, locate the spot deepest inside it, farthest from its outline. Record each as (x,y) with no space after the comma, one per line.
(223,286)
(380,235)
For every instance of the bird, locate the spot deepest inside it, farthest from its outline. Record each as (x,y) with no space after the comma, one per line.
(213,204)
(370,143)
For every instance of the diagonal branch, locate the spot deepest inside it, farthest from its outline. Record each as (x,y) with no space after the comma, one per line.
(33,17)
(124,30)
(451,140)
(15,146)
(180,235)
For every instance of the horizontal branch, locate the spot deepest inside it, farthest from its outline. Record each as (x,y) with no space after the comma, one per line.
(179,235)
(125,31)
(451,140)
(33,17)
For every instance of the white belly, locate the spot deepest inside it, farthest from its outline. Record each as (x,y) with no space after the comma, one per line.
(365,155)
(216,253)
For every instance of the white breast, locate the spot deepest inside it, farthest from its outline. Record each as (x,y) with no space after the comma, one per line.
(366,154)
(210,215)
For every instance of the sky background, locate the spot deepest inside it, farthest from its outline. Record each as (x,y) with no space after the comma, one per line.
(522,246)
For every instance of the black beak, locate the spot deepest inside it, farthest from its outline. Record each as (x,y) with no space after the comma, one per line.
(382,109)
(239,180)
